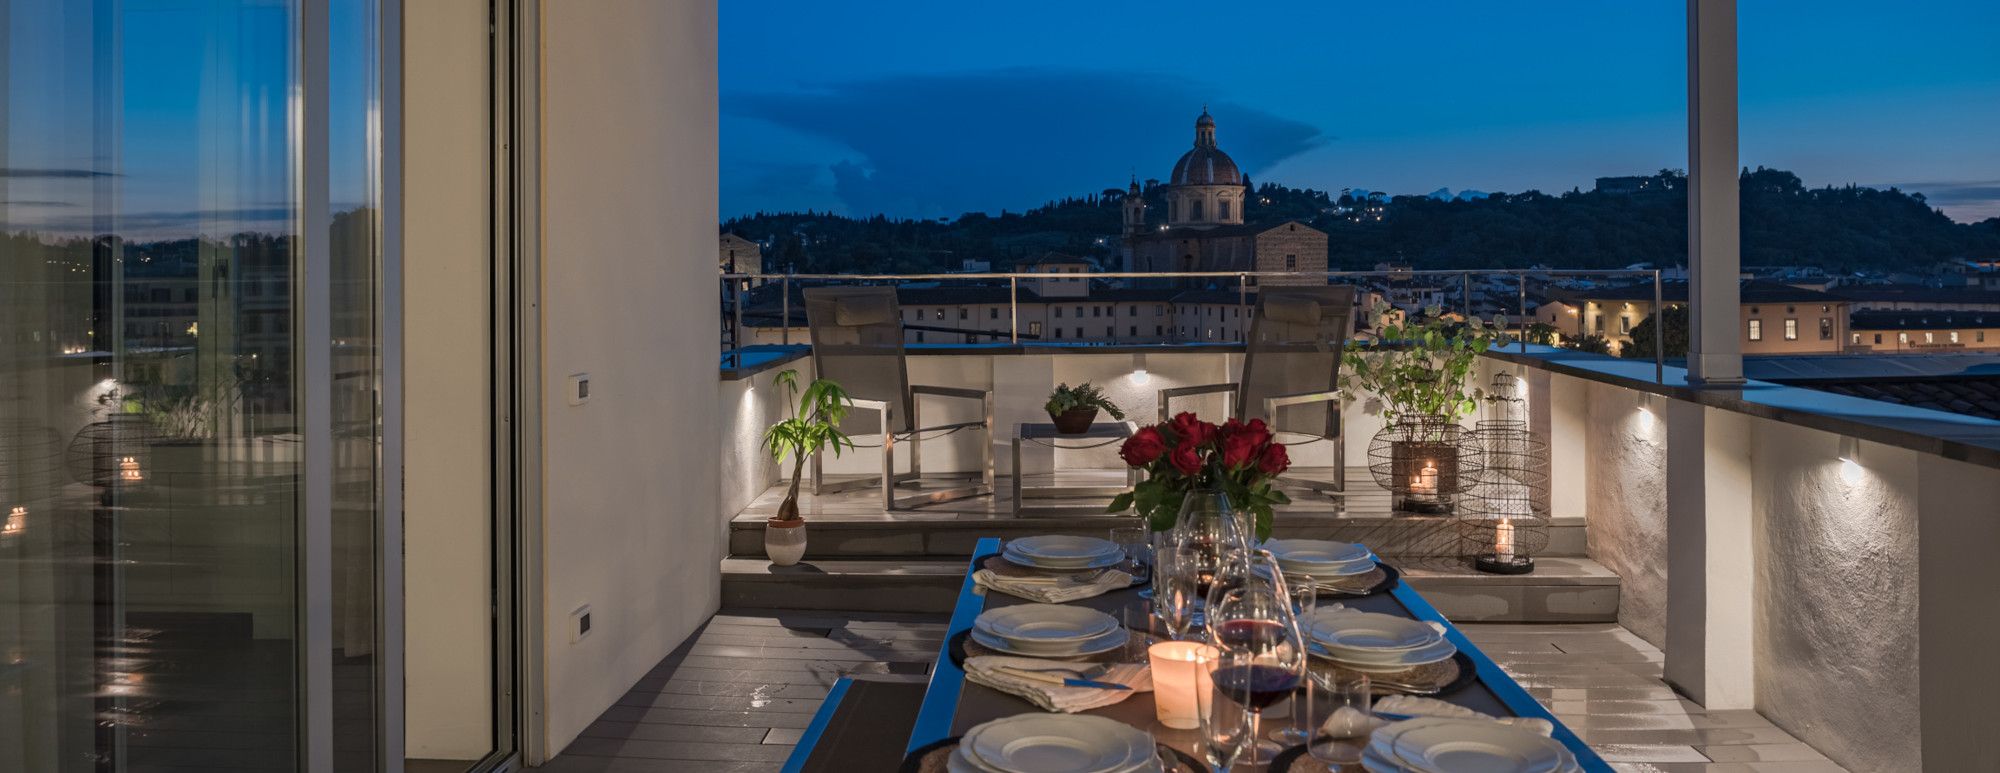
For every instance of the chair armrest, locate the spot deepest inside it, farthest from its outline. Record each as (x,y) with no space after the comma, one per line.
(1167,395)
(869,405)
(1302,398)
(943,391)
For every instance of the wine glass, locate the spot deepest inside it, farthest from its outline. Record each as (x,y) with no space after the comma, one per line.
(1133,541)
(1180,590)
(1263,658)
(1302,593)
(1227,729)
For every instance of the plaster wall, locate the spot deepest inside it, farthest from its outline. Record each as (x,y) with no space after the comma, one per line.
(1957,629)
(628,214)
(447,474)
(1836,595)
(746,407)
(1625,501)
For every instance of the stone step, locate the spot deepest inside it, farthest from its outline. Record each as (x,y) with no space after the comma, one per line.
(1561,589)
(914,534)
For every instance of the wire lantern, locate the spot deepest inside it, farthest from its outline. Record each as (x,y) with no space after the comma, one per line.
(31,462)
(1426,463)
(1505,519)
(115,452)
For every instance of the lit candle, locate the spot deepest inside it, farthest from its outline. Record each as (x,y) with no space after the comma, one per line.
(128,469)
(1427,479)
(1177,679)
(17,522)
(1503,541)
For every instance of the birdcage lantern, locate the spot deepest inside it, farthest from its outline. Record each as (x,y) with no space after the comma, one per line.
(1504,516)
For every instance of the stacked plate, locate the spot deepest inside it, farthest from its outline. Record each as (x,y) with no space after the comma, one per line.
(1055,743)
(1047,631)
(1063,552)
(1320,559)
(1376,643)
(1438,745)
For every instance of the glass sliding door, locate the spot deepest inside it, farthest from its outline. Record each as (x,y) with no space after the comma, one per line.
(190,386)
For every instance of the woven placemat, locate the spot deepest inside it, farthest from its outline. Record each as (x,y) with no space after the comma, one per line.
(1296,760)
(933,758)
(962,647)
(1431,679)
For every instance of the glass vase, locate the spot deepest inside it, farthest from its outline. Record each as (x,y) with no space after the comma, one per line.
(1209,535)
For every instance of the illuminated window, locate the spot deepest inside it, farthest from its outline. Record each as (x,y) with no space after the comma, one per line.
(1902,338)
(1929,337)
(1034,328)
(1624,324)
(1954,336)
(1791,329)
(1756,330)
(1825,329)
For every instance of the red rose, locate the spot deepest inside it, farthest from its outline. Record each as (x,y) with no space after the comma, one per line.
(1191,429)
(1143,447)
(1274,460)
(1186,459)
(1240,448)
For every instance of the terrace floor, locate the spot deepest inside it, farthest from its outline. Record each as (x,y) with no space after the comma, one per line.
(736,696)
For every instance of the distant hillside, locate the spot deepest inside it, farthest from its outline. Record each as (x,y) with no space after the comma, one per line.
(1784,223)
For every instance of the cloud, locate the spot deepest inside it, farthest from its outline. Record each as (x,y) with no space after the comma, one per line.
(1966,201)
(56,174)
(943,145)
(167,224)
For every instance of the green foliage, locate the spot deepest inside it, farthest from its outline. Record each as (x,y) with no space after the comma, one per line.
(1540,333)
(1590,344)
(1419,368)
(1083,395)
(813,426)
(1675,334)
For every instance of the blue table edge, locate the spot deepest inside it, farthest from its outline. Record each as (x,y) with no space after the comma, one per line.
(802,751)
(948,680)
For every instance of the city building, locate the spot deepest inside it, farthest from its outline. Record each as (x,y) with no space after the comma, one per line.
(1772,318)
(1923,330)
(1205,228)
(737,255)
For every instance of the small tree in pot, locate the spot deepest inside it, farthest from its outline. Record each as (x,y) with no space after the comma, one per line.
(1073,409)
(813,427)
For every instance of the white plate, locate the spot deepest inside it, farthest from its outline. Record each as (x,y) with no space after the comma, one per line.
(1063,547)
(1342,630)
(1044,623)
(1401,660)
(959,762)
(1033,563)
(1059,649)
(1317,552)
(1478,745)
(1333,570)
(1058,743)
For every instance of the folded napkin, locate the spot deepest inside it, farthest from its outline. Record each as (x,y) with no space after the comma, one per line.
(1055,588)
(985,669)
(1349,723)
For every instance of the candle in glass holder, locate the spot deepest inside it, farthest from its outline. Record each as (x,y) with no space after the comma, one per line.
(1177,678)
(1427,479)
(1503,541)
(128,469)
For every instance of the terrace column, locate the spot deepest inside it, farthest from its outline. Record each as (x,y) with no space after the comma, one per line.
(1711,566)
(1715,353)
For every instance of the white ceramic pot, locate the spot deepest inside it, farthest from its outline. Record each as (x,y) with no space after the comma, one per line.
(784,541)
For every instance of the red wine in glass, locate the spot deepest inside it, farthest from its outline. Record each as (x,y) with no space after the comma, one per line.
(1260,685)
(1256,635)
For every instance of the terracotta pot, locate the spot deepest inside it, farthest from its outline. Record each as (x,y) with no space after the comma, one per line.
(1074,421)
(784,540)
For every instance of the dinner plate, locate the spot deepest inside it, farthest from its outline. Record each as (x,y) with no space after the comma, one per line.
(1064,566)
(1058,743)
(1058,649)
(1343,630)
(1477,745)
(1316,552)
(1044,623)
(1389,663)
(1063,547)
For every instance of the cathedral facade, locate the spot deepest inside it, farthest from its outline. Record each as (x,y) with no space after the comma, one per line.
(1205,228)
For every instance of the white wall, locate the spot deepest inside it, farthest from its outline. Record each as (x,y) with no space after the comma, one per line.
(629,146)
(1626,502)
(447,483)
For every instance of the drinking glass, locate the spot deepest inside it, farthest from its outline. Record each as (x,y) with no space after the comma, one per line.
(1142,630)
(1336,710)
(1301,593)
(1227,727)
(1262,656)
(1179,590)
(1132,540)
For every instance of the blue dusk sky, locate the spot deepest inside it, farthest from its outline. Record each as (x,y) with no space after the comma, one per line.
(925,109)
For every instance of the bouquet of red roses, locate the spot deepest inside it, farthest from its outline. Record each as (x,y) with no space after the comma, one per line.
(1187,453)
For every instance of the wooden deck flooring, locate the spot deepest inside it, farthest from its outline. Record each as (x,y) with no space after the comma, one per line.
(736,696)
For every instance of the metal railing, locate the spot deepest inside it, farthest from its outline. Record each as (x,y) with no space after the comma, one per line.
(737,287)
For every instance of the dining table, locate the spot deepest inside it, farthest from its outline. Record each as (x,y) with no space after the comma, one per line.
(952,705)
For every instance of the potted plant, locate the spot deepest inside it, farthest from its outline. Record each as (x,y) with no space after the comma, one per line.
(814,426)
(1190,456)
(1417,370)
(1073,409)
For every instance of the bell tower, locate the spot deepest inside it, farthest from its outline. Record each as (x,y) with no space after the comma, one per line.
(1135,209)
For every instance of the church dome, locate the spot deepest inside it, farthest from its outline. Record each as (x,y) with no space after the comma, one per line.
(1206,164)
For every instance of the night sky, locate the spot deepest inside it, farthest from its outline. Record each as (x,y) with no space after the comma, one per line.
(924,109)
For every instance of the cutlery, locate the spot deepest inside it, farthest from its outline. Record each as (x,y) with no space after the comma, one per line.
(1076,673)
(1047,678)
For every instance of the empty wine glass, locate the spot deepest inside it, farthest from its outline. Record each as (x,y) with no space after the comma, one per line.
(1133,541)
(1179,589)
(1263,657)
(1227,726)
(1302,594)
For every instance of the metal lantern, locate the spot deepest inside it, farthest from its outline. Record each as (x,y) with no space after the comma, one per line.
(115,452)
(1504,520)
(1424,461)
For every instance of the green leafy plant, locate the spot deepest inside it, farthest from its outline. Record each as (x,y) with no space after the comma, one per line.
(814,426)
(1186,453)
(1419,368)
(1069,398)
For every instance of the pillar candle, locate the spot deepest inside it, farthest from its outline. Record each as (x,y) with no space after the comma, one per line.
(1177,678)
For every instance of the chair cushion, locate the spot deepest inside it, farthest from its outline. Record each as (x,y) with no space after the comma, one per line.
(1294,311)
(856,311)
